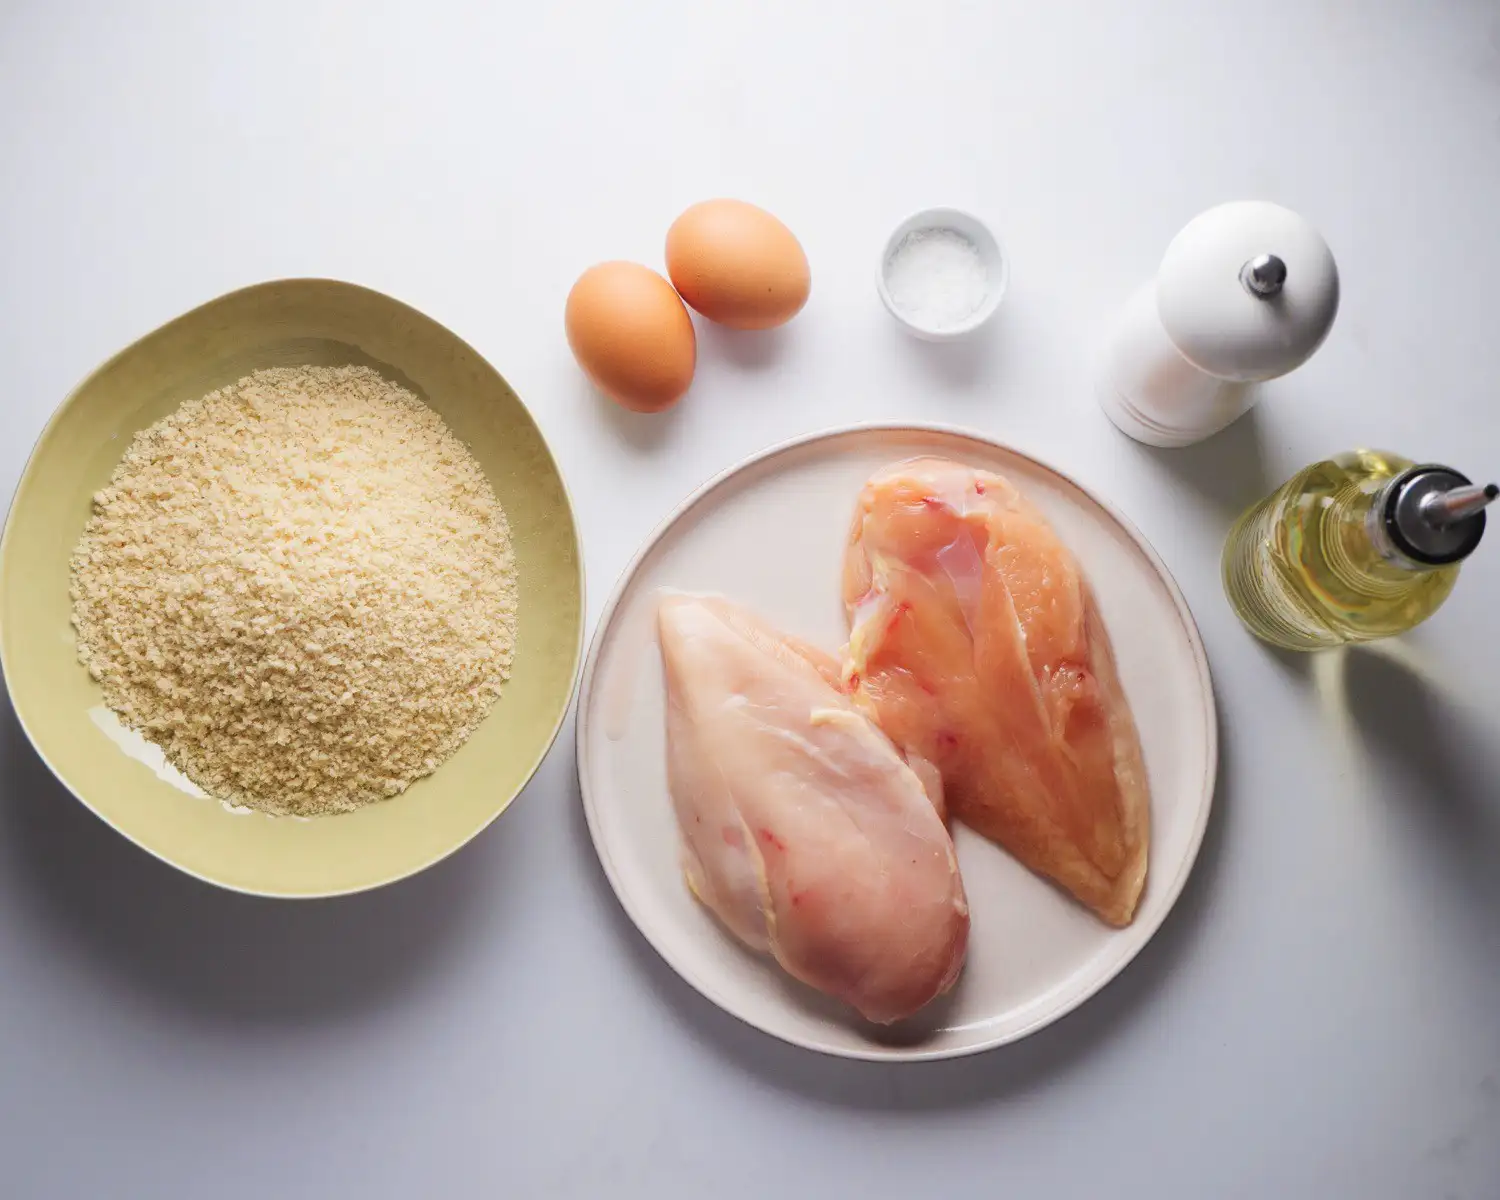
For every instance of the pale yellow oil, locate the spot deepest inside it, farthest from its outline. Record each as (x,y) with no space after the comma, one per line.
(1304,570)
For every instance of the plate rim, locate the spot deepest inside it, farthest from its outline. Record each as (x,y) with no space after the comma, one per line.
(576,658)
(875,1052)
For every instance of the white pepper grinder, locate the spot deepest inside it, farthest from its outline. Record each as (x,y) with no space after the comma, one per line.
(1246,292)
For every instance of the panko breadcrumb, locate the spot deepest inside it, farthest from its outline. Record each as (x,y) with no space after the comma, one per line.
(301,587)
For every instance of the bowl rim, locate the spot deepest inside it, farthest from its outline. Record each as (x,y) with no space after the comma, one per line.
(24,480)
(942,217)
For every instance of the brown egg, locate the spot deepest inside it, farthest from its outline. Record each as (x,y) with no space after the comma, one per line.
(631,335)
(737,264)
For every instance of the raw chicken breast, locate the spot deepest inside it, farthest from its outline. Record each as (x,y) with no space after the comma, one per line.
(803,830)
(976,644)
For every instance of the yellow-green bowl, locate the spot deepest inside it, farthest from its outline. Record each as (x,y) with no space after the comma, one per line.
(284,323)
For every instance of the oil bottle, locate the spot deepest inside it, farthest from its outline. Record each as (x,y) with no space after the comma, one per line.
(1357,547)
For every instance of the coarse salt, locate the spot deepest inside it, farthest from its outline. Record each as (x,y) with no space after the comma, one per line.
(936,278)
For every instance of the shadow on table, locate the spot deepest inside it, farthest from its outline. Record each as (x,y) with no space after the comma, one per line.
(643,432)
(1228,469)
(950,1084)
(1446,755)
(979,365)
(213,954)
(748,350)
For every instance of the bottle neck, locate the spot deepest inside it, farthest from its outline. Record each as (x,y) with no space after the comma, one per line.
(1434,514)
(1392,560)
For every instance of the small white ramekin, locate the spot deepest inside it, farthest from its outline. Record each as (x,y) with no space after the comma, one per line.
(996,265)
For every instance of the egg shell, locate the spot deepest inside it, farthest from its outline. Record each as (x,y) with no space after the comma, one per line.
(631,335)
(737,264)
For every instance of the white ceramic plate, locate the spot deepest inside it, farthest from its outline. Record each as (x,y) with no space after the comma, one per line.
(769,534)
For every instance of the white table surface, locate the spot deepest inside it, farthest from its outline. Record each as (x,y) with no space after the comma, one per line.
(1319,1018)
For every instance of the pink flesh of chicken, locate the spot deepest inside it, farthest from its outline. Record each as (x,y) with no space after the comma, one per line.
(976,643)
(804,832)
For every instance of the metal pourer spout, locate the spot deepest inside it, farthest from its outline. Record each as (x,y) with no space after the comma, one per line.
(1448,508)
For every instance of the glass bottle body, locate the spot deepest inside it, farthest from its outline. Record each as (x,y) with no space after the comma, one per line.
(1310,566)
